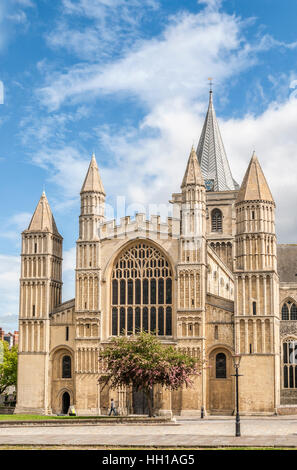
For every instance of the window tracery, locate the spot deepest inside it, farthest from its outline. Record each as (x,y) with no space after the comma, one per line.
(289,311)
(289,363)
(141,292)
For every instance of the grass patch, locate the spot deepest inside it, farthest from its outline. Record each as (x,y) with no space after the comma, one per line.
(25,417)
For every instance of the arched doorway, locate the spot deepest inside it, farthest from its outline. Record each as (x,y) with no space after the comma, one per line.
(220,382)
(65,403)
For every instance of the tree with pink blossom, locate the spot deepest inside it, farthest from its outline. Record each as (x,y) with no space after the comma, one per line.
(142,361)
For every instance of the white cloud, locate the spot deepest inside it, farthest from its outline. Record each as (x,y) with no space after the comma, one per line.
(12,12)
(9,286)
(85,43)
(273,136)
(69,259)
(24,3)
(176,64)
(111,25)
(14,225)
(168,74)
(67,168)
(9,293)
(212,4)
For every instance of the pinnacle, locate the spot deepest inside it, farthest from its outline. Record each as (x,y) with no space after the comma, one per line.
(254,186)
(93,182)
(43,219)
(193,174)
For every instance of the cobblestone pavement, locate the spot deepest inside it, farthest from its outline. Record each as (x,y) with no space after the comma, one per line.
(273,431)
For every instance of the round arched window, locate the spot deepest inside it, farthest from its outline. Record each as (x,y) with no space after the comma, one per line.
(216,221)
(221,366)
(66,367)
(141,297)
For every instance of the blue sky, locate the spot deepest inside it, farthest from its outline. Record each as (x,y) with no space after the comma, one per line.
(128,80)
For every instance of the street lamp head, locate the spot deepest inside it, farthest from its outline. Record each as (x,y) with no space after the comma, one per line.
(236,360)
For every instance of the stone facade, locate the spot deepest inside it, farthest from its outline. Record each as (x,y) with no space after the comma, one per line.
(206,281)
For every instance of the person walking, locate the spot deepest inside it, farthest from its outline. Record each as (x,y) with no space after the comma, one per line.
(112,408)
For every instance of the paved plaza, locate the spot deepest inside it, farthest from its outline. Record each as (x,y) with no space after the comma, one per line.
(188,432)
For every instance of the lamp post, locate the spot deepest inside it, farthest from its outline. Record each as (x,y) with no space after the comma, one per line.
(236,362)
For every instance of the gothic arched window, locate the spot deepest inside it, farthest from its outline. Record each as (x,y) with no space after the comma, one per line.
(293,312)
(66,367)
(285,312)
(141,292)
(216,221)
(290,363)
(289,311)
(221,366)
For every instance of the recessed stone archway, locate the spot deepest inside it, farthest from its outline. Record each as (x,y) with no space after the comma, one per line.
(61,382)
(220,381)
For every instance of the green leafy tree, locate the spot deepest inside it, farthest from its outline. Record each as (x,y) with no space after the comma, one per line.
(8,366)
(142,361)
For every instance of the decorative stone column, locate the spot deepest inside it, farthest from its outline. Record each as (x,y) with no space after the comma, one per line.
(122,402)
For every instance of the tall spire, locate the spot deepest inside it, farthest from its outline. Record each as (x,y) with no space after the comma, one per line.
(254,186)
(212,155)
(193,172)
(93,180)
(43,219)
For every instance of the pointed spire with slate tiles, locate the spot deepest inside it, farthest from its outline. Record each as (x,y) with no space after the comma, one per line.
(212,155)
(43,219)
(254,186)
(93,181)
(193,174)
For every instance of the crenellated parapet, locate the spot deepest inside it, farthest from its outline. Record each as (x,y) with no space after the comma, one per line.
(152,228)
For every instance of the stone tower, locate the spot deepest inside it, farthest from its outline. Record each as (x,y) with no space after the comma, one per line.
(256,292)
(40,293)
(88,279)
(191,267)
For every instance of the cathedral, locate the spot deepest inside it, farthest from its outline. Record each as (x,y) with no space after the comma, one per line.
(210,280)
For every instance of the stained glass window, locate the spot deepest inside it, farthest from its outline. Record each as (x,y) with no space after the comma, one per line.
(141,292)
